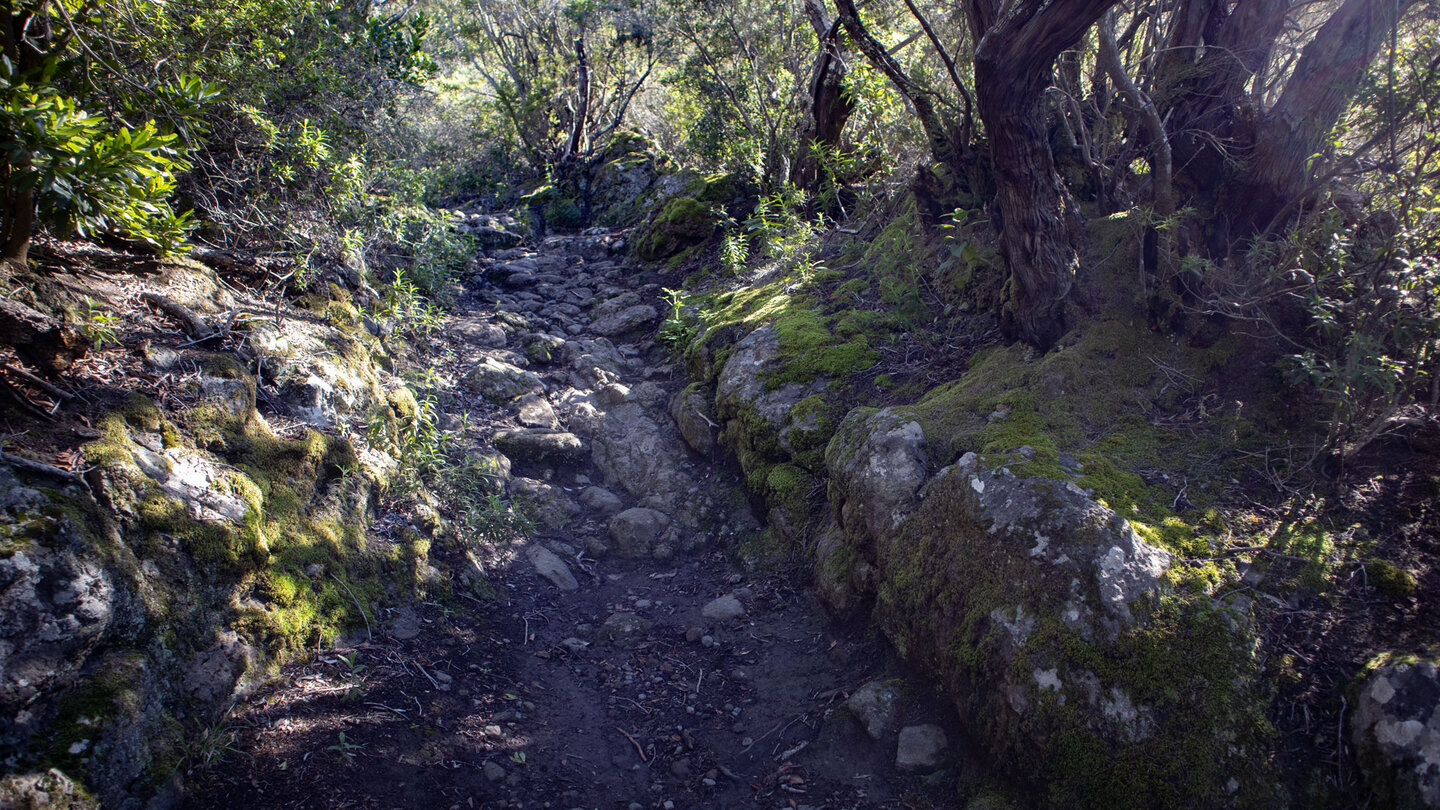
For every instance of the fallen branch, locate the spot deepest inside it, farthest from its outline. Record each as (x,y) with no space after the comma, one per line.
(24,402)
(222,260)
(638,749)
(38,467)
(49,388)
(192,324)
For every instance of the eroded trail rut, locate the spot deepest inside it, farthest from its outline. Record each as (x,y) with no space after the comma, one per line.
(623,662)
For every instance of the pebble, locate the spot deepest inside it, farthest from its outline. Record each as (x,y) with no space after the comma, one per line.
(693,634)
(493,772)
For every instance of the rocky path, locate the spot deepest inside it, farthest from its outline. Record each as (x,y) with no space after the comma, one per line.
(624,660)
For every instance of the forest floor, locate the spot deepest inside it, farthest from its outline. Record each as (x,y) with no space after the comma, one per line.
(632,690)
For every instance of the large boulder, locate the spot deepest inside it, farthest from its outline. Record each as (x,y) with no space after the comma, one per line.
(1050,624)
(315,368)
(695,418)
(682,223)
(55,603)
(500,382)
(1395,729)
(880,463)
(630,167)
(744,383)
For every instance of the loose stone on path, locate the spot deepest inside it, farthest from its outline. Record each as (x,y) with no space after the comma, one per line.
(724,609)
(920,748)
(551,567)
(533,411)
(877,706)
(534,444)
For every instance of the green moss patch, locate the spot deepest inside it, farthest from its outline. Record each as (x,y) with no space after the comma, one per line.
(682,223)
(1177,690)
(1087,412)
(812,344)
(302,535)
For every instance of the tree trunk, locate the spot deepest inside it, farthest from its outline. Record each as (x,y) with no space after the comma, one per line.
(1014,61)
(944,147)
(582,92)
(19,221)
(1325,80)
(1200,100)
(1108,57)
(830,106)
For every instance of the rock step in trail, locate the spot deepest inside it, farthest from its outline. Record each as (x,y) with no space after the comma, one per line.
(623,660)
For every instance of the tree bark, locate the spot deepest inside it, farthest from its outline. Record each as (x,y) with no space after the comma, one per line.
(1160,158)
(1325,80)
(943,145)
(19,221)
(830,106)
(582,91)
(1201,100)
(1014,61)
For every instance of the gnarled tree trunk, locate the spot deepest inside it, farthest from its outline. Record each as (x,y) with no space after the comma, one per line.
(1014,61)
(1278,176)
(830,106)
(945,147)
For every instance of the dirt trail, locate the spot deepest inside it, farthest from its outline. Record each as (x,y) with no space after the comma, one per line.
(633,690)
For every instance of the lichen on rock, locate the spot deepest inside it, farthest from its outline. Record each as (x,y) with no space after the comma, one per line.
(1395,728)
(1048,621)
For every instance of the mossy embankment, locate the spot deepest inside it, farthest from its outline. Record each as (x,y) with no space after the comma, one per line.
(203,548)
(1154,427)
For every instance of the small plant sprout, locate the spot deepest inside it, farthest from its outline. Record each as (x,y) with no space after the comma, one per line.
(101,325)
(345,750)
(212,744)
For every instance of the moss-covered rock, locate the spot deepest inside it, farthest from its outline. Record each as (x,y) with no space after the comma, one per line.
(694,415)
(203,552)
(1050,623)
(1395,729)
(682,223)
(629,169)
